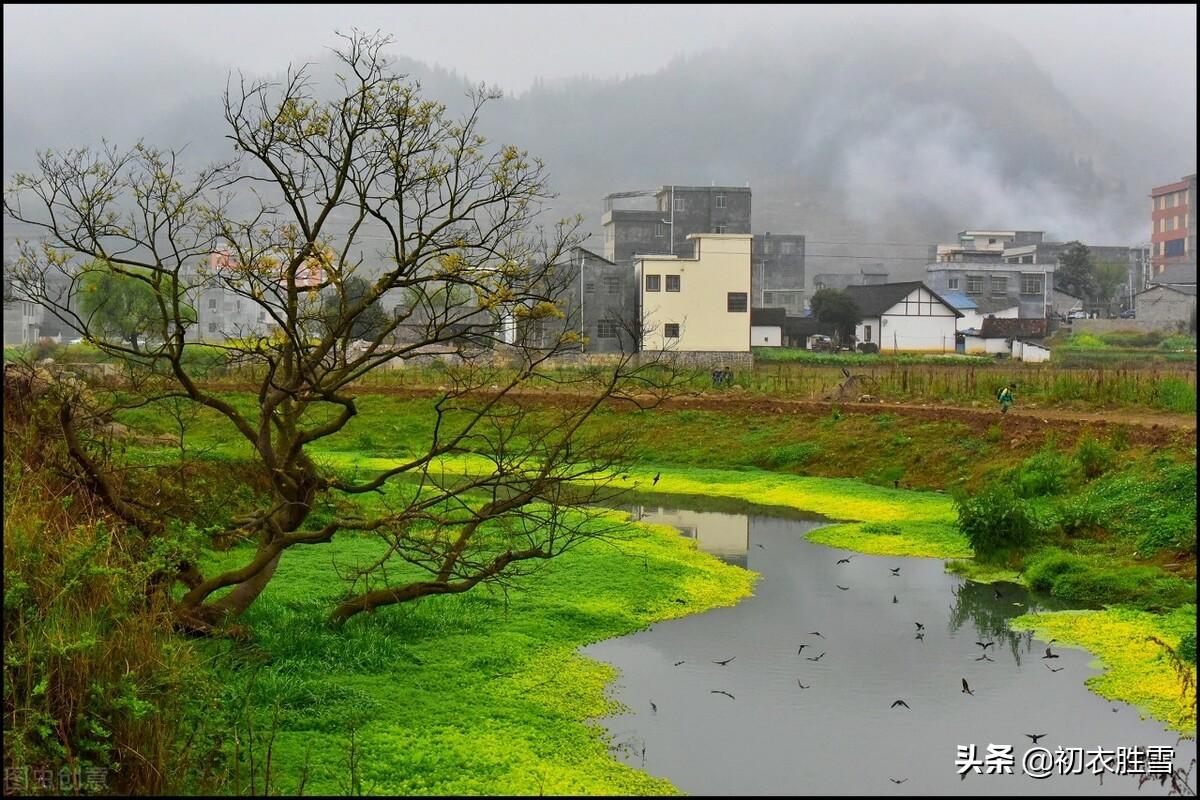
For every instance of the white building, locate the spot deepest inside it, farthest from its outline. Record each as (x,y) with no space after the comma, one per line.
(698,304)
(905,316)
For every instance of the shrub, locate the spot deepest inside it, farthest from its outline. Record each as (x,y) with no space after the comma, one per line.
(1086,341)
(1094,457)
(1177,343)
(1046,472)
(1187,647)
(1175,394)
(1093,581)
(995,521)
(993,433)
(790,455)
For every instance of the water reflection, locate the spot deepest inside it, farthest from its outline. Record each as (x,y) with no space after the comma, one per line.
(770,735)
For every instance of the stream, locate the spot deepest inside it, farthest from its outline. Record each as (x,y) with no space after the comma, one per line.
(841,734)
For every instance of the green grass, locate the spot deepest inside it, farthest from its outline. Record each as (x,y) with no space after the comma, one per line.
(481,693)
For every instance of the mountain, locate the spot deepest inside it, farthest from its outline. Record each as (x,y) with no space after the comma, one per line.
(845,137)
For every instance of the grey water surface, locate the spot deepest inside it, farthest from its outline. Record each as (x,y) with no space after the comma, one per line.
(841,735)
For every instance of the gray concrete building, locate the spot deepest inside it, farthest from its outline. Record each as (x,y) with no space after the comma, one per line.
(656,222)
(995,285)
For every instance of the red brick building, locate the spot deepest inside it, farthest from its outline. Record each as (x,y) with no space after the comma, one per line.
(1173,224)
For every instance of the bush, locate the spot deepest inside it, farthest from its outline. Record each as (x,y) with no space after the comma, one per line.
(1175,394)
(1085,341)
(995,521)
(1092,581)
(993,434)
(1095,458)
(1177,343)
(790,455)
(1045,473)
(1187,647)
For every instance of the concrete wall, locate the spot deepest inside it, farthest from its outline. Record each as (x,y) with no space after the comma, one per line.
(973,319)
(1029,352)
(766,336)
(1110,325)
(939,277)
(919,322)
(1165,308)
(700,307)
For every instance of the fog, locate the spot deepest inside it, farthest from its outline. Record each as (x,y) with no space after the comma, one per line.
(852,124)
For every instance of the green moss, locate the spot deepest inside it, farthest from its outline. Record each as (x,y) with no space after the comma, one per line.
(1137,670)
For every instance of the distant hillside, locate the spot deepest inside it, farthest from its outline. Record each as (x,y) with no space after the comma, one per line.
(842,138)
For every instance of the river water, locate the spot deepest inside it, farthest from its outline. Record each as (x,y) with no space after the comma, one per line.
(841,735)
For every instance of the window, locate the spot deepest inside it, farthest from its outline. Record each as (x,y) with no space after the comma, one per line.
(212,327)
(991,241)
(262,316)
(653,283)
(660,230)
(974,284)
(590,287)
(719,228)
(672,283)
(953,283)
(766,246)
(737,301)
(787,248)
(212,304)
(671,330)
(1174,247)
(612,284)
(866,333)
(1031,284)
(720,201)
(679,204)
(999,285)
(606,329)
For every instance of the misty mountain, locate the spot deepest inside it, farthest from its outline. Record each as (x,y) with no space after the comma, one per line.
(843,138)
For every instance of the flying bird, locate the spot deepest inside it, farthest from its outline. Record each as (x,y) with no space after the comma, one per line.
(901,703)
(895,570)
(843,588)
(985,657)
(985,645)
(1049,654)
(894,600)
(920,627)
(653,707)
(967,689)
(801,648)
(920,636)
(801,685)
(677,663)
(726,661)
(815,633)
(843,561)
(815,658)
(756,544)
(657,475)
(1035,736)
(1054,669)
(727,694)
(893,780)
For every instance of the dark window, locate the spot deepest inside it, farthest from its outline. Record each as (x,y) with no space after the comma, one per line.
(1174,247)
(212,327)
(1031,284)
(720,201)
(974,284)
(606,329)
(589,287)
(672,283)
(212,304)
(653,283)
(866,333)
(679,204)
(953,283)
(719,228)
(786,248)
(660,230)
(737,301)
(999,285)
(612,284)
(671,330)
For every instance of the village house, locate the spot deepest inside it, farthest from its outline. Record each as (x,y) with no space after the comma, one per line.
(906,316)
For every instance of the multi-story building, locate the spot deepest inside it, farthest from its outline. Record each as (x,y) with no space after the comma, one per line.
(657,222)
(699,303)
(1172,227)
(870,275)
(976,267)
(22,318)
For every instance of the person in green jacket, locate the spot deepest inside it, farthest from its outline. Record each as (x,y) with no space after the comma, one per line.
(1005,396)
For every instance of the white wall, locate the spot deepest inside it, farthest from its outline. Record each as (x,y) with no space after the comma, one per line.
(1029,352)
(920,322)
(766,336)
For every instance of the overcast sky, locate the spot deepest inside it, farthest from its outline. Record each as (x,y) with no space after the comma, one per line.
(1145,52)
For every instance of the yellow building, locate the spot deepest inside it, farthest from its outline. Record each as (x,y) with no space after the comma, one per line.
(698,304)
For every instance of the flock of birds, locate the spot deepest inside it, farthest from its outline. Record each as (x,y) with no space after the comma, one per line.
(920,636)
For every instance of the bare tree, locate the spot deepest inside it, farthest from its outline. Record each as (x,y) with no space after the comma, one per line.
(328,210)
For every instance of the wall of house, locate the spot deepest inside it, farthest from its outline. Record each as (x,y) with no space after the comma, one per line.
(766,336)
(1029,352)
(920,323)
(1165,307)
(721,266)
(973,319)
(939,277)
